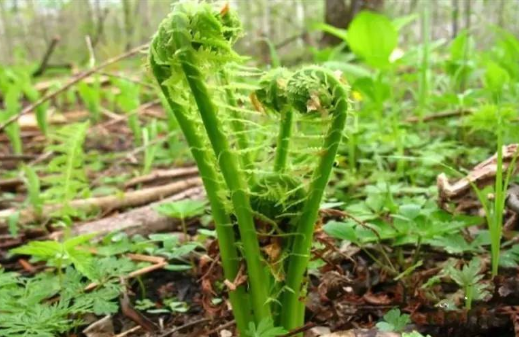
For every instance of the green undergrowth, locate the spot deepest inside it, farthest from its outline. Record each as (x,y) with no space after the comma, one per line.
(358,132)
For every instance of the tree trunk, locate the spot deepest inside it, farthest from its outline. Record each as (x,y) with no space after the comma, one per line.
(455,14)
(337,15)
(340,15)
(128,27)
(468,11)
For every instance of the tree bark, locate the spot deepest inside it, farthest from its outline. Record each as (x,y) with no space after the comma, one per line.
(340,15)
(468,12)
(128,28)
(455,14)
(337,15)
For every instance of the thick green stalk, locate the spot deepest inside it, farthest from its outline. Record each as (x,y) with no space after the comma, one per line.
(292,315)
(496,231)
(226,238)
(239,128)
(283,142)
(229,166)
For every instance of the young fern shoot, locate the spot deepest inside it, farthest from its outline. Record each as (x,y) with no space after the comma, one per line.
(228,161)
(165,68)
(330,96)
(272,95)
(189,52)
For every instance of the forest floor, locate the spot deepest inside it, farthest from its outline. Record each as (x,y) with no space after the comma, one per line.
(122,256)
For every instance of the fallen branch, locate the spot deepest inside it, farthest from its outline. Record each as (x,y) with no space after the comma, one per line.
(17,157)
(162,174)
(127,332)
(143,220)
(72,82)
(107,203)
(481,175)
(441,115)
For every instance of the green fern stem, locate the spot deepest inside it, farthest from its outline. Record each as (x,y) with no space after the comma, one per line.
(292,315)
(226,238)
(283,142)
(239,128)
(228,163)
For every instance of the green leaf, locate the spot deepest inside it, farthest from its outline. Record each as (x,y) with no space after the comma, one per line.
(265,328)
(495,77)
(32,182)
(341,230)
(373,38)
(410,211)
(12,223)
(394,321)
(182,209)
(183,250)
(386,327)
(41,249)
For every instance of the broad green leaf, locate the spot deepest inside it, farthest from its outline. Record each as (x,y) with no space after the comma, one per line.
(41,249)
(341,230)
(495,77)
(373,38)
(410,211)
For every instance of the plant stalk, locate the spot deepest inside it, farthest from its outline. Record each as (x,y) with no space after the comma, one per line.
(229,166)
(283,142)
(239,129)
(226,238)
(293,300)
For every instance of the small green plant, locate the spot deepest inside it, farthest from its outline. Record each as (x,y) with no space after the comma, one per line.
(182,210)
(67,179)
(189,51)
(61,254)
(90,94)
(394,321)
(12,107)
(412,223)
(469,278)
(30,306)
(494,209)
(265,328)
(32,182)
(150,150)
(128,101)
(41,110)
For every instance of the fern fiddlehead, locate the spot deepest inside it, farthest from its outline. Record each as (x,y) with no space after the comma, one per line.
(163,68)
(191,48)
(227,161)
(272,95)
(195,38)
(312,89)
